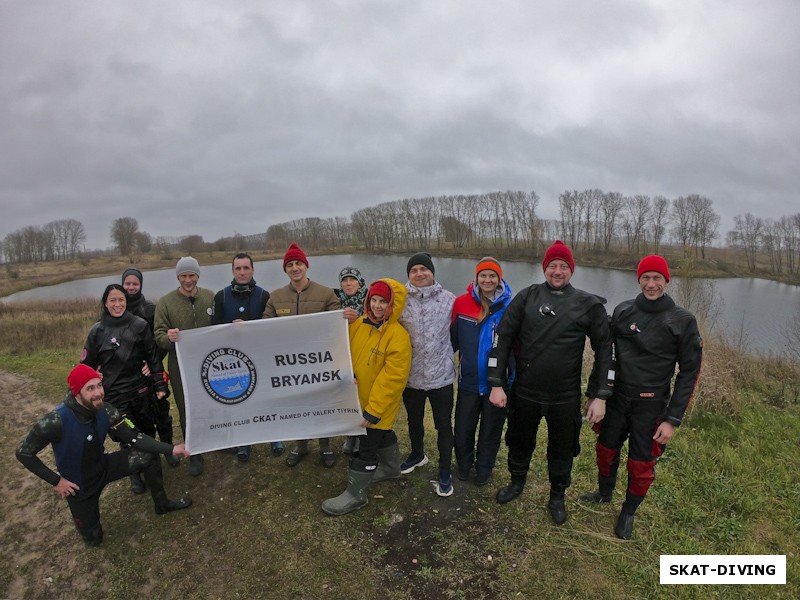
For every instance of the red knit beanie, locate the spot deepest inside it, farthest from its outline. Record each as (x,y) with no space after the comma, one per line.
(491,264)
(382,289)
(80,376)
(559,251)
(654,262)
(294,253)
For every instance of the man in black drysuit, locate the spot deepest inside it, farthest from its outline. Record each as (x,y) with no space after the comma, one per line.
(651,335)
(548,324)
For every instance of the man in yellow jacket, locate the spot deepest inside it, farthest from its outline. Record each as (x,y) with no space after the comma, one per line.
(381,352)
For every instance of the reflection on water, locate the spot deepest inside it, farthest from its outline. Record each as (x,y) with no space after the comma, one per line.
(754,311)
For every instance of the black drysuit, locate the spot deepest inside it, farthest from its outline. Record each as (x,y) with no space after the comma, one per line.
(547,329)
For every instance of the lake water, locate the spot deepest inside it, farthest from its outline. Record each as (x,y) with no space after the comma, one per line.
(755,311)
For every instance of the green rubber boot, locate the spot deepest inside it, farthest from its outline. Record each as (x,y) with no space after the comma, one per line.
(353,498)
(388,463)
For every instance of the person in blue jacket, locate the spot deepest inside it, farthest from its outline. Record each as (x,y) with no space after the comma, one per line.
(476,315)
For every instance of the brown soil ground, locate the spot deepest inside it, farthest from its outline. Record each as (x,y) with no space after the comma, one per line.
(37,534)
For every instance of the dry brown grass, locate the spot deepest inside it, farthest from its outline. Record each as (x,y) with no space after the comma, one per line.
(43,325)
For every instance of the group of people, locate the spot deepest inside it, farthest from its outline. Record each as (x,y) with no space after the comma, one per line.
(520,359)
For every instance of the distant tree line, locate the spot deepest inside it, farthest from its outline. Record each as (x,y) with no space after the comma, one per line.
(777,240)
(589,220)
(57,240)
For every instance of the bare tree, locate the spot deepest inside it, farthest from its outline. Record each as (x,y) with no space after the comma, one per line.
(660,219)
(705,223)
(747,236)
(144,242)
(610,207)
(635,218)
(569,203)
(192,244)
(682,223)
(123,234)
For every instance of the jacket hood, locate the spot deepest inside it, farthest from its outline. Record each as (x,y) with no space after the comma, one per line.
(502,292)
(398,300)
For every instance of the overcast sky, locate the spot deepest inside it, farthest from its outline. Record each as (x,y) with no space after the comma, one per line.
(213,118)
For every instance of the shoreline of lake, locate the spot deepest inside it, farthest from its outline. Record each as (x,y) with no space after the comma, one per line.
(18,278)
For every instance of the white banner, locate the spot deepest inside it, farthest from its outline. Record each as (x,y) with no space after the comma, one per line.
(285,378)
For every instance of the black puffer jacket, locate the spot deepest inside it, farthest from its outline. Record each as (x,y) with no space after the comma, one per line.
(118,348)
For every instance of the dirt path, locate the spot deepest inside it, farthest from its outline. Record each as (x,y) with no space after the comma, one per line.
(37,549)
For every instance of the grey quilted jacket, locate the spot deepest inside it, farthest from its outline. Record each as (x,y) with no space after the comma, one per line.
(427,318)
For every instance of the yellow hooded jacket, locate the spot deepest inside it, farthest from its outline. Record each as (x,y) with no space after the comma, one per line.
(381,361)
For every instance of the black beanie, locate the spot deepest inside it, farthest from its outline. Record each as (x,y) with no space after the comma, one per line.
(420,258)
(135,272)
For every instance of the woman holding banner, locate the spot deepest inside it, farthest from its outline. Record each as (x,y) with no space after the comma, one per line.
(381,350)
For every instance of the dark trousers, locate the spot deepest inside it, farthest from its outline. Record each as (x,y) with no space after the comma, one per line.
(85,505)
(442,406)
(634,419)
(137,405)
(162,418)
(369,446)
(472,408)
(563,438)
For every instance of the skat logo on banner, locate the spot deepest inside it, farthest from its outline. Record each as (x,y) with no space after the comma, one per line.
(228,375)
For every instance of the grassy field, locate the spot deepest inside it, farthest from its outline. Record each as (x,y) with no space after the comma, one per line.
(728,484)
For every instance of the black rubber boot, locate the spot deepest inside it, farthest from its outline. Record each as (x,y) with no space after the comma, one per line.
(624,527)
(154,478)
(558,507)
(196,464)
(137,485)
(604,492)
(93,536)
(511,491)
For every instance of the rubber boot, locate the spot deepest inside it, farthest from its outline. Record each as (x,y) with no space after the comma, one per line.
(388,463)
(353,498)
(558,507)
(92,536)
(137,485)
(511,491)
(604,492)
(154,478)
(196,463)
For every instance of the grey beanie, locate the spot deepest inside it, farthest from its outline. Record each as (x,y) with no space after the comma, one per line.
(420,258)
(187,264)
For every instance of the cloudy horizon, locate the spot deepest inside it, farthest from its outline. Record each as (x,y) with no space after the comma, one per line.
(220,118)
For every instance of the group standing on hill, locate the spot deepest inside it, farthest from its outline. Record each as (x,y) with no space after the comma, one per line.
(520,359)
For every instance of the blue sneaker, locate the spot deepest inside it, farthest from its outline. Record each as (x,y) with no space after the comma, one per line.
(444,487)
(412,462)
